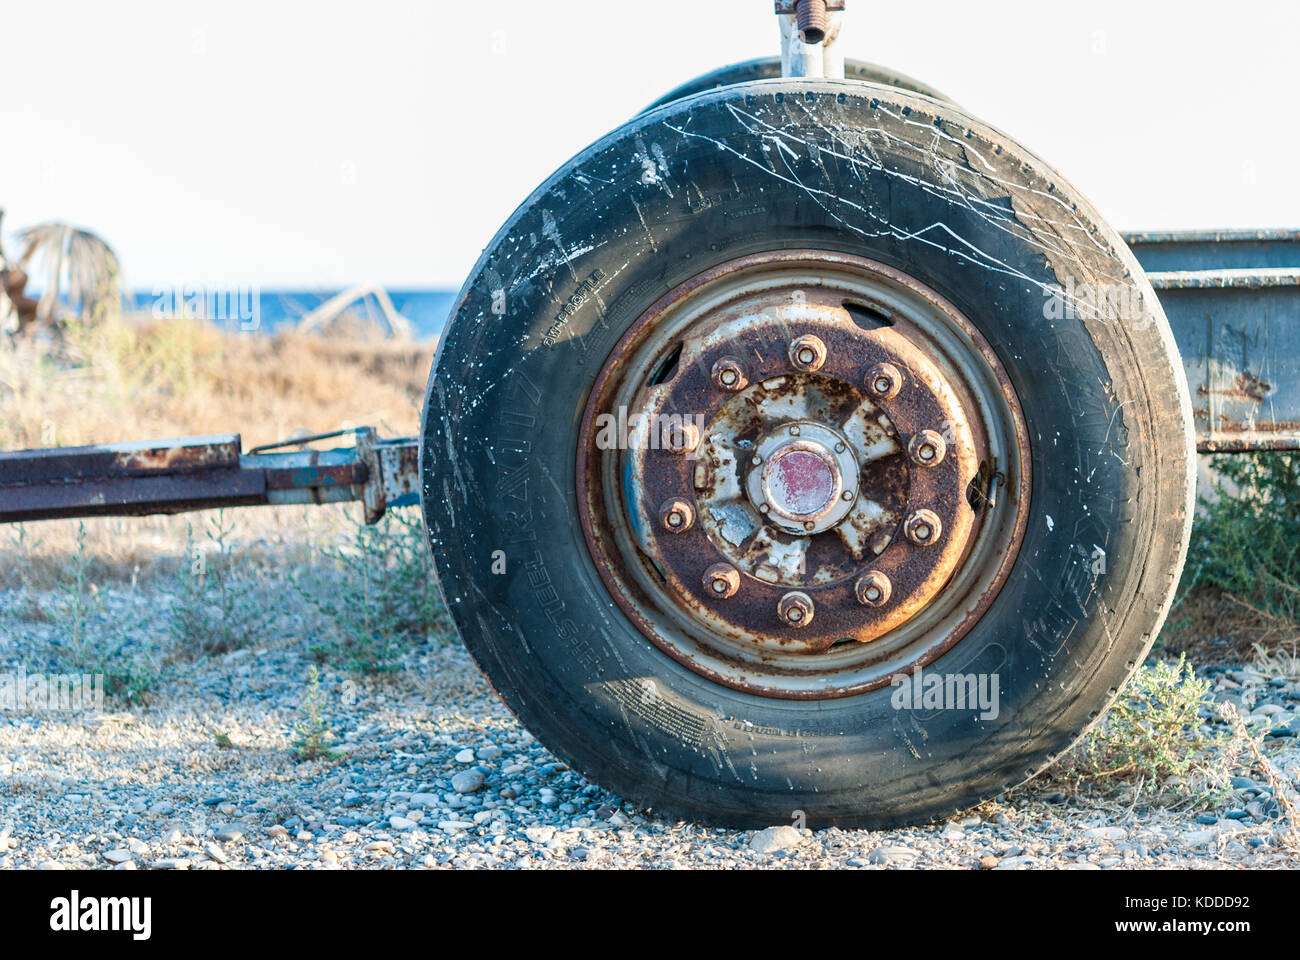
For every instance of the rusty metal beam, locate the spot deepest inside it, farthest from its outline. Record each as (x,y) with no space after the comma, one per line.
(201,473)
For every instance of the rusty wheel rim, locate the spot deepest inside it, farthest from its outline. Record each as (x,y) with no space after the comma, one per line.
(801,473)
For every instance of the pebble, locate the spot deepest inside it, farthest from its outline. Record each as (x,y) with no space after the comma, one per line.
(214,852)
(892,856)
(540,834)
(468,781)
(1104,833)
(229,833)
(775,839)
(465,756)
(117,856)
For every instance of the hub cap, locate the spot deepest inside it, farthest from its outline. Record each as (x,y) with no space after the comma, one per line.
(803,477)
(844,426)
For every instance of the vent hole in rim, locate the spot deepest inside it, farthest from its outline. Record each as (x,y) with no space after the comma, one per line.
(867,317)
(667,368)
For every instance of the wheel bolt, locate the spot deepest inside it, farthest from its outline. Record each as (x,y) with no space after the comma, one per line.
(884,381)
(721,580)
(683,438)
(873,589)
(927,448)
(795,609)
(807,353)
(676,516)
(729,375)
(922,527)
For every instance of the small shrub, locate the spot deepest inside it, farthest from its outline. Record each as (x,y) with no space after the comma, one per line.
(312,736)
(377,595)
(1155,737)
(1246,542)
(129,669)
(215,607)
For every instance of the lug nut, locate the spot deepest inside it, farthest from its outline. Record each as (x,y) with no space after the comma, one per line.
(676,516)
(729,375)
(922,527)
(926,448)
(873,589)
(807,353)
(683,438)
(721,580)
(884,381)
(795,609)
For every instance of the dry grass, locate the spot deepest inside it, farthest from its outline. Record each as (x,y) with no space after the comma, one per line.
(1211,625)
(133,378)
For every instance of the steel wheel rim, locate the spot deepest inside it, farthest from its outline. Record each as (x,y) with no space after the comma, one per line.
(645,582)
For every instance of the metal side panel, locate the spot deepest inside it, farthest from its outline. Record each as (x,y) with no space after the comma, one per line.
(1233,303)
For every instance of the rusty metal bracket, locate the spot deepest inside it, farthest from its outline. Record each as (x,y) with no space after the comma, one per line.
(393,471)
(201,473)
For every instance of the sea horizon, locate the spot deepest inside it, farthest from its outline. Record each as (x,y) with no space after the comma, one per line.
(252,308)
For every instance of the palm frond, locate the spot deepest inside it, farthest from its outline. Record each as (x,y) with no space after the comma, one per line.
(78,258)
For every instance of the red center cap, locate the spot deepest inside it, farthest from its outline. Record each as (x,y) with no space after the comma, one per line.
(802,484)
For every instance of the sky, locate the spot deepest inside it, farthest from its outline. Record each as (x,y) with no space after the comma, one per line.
(322,144)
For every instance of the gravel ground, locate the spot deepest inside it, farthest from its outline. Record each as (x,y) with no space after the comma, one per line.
(434,772)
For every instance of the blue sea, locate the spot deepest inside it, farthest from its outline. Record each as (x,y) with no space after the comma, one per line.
(231,307)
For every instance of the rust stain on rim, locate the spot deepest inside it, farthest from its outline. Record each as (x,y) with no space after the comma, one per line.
(593,509)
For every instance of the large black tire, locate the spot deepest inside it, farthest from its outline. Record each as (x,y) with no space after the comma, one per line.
(862,169)
(766,68)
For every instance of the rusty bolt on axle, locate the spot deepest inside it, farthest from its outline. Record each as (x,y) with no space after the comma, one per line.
(873,589)
(927,448)
(795,609)
(807,353)
(884,380)
(729,375)
(810,18)
(676,515)
(722,580)
(922,527)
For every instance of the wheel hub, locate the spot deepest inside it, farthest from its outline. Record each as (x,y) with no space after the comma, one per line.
(828,495)
(803,477)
